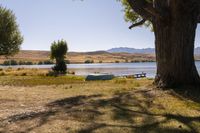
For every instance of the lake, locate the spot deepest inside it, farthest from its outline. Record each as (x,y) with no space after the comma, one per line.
(118,69)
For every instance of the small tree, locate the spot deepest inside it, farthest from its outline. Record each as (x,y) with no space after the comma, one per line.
(58,52)
(10,36)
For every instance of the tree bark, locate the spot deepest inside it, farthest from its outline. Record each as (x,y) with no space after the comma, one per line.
(174,42)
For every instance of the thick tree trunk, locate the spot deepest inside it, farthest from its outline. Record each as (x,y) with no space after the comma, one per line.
(174,40)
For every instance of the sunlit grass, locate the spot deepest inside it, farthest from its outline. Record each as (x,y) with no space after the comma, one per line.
(71,104)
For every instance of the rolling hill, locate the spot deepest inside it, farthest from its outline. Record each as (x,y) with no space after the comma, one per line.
(81,57)
(121,54)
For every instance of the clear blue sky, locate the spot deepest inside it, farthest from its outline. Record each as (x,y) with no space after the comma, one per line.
(86,26)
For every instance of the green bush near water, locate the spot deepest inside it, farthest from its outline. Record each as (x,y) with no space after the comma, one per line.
(58,52)
(46,62)
(11,62)
(89,61)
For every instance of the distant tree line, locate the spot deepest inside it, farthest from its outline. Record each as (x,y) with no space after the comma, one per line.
(14,62)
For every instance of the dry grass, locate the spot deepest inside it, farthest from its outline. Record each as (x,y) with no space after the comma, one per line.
(74,105)
(81,57)
(23,72)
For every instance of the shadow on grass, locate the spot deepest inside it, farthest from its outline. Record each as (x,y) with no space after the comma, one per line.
(189,92)
(123,109)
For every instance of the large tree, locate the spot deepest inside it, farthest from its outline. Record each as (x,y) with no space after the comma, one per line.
(174,24)
(10,36)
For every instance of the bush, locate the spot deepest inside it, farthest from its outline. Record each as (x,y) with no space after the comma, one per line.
(48,62)
(135,61)
(116,61)
(60,67)
(25,63)
(67,61)
(11,62)
(21,63)
(29,63)
(89,61)
(6,63)
(40,63)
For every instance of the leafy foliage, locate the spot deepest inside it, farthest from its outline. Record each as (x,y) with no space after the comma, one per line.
(10,36)
(10,62)
(89,61)
(131,16)
(58,51)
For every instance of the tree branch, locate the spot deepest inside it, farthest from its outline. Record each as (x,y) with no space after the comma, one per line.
(138,23)
(144,9)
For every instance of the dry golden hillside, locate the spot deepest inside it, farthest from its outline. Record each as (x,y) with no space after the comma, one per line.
(81,57)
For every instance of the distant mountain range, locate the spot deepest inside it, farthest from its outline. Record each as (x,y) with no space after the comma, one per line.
(141,51)
(131,50)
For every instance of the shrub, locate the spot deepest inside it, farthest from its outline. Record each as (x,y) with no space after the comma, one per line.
(40,63)
(117,61)
(21,63)
(25,63)
(11,62)
(89,61)
(29,63)
(67,61)
(48,62)
(6,63)
(135,61)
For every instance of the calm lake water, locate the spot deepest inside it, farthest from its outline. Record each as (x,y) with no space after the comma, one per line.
(118,69)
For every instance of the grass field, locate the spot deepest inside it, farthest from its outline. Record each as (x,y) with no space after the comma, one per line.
(69,104)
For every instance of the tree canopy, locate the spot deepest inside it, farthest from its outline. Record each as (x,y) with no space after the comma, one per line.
(133,17)
(143,12)
(10,36)
(58,51)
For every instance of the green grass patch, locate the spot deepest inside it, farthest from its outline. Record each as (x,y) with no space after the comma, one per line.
(39,80)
